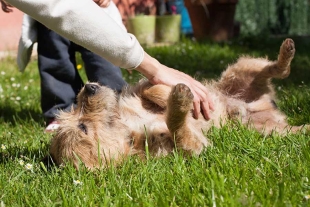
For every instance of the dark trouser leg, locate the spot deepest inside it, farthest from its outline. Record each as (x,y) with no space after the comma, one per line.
(102,71)
(60,81)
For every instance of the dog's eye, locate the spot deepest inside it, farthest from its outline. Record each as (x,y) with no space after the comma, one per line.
(83,127)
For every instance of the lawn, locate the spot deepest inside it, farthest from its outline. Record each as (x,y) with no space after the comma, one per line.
(242,168)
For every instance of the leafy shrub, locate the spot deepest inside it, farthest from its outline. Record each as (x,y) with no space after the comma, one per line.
(273,17)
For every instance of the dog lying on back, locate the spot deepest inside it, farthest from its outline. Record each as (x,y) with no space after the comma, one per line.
(105,127)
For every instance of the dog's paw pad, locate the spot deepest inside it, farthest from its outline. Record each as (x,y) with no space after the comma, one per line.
(182,94)
(183,91)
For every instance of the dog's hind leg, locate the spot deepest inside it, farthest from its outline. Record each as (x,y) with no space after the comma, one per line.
(261,83)
(249,78)
(179,105)
(281,67)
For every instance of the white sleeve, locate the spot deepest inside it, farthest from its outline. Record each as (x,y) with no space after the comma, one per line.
(83,22)
(113,11)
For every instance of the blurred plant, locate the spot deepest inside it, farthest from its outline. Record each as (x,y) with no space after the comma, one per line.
(273,17)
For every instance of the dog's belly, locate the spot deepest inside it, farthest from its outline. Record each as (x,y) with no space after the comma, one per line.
(137,118)
(144,121)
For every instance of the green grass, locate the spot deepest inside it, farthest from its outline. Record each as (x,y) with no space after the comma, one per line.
(242,168)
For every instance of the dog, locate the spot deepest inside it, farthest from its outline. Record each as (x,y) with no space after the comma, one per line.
(144,119)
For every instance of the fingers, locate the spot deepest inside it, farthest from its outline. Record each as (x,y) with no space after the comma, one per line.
(102,3)
(6,7)
(204,95)
(196,108)
(202,102)
(206,110)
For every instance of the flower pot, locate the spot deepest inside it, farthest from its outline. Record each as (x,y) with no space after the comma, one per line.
(168,28)
(216,23)
(143,27)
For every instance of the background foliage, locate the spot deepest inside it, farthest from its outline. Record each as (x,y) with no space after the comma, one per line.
(273,17)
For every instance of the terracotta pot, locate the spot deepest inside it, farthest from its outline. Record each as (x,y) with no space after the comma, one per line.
(216,23)
(168,28)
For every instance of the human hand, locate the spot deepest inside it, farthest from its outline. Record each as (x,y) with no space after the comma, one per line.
(157,73)
(102,3)
(6,7)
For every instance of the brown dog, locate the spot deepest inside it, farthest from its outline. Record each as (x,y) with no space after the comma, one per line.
(105,127)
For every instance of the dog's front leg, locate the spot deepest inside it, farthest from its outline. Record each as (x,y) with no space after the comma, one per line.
(157,94)
(178,108)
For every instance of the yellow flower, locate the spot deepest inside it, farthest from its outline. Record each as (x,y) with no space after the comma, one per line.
(3,147)
(79,67)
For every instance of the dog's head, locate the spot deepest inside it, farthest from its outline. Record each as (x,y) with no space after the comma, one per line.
(77,138)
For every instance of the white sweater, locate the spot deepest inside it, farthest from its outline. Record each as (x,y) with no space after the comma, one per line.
(83,22)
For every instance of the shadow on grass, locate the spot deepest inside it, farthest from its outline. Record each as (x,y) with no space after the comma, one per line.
(9,114)
(35,155)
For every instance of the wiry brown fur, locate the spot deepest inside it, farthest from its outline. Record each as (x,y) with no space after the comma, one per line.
(106,127)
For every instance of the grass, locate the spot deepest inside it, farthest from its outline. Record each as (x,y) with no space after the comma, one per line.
(242,168)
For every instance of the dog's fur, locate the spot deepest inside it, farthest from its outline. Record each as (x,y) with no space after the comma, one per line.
(106,127)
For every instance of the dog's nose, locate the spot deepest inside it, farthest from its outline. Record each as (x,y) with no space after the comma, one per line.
(91,88)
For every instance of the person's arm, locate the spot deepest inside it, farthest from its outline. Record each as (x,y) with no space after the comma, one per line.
(84,23)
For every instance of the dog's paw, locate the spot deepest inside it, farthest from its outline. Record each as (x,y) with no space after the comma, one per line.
(182,95)
(287,48)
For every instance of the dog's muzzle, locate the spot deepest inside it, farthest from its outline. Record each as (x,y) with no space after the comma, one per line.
(91,89)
